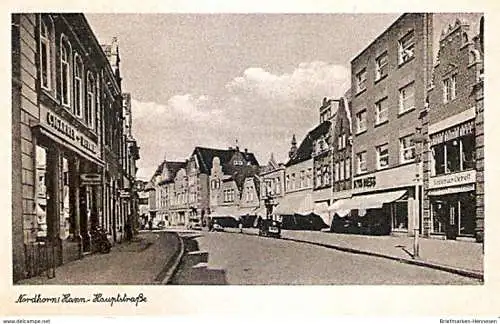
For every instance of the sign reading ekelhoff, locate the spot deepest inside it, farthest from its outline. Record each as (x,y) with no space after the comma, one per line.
(63,129)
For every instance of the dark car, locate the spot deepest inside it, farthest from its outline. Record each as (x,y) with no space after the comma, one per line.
(269,227)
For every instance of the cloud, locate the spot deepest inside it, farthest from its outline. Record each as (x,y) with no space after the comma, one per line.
(260,109)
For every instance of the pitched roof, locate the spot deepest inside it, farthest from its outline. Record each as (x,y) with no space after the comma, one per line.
(305,149)
(206,155)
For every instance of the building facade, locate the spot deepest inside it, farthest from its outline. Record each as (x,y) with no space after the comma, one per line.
(453,123)
(66,147)
(272,184)
(390,78)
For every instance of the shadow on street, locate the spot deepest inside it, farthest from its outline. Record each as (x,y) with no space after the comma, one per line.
(194,270)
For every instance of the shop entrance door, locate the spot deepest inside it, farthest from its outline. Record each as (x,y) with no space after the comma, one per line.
(452,220)
(84,218)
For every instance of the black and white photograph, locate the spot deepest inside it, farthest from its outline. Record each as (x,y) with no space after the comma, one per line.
(328,159)
(247,149)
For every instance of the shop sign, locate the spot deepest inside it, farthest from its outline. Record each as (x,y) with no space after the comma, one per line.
(452,133)
(63,129)
(454,179)
(367,182)
(402,176)
(124,194)
(90,179)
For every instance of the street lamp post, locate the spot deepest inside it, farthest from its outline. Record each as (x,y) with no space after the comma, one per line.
(419,141)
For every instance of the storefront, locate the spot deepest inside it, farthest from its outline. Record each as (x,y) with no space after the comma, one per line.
(68,191)
(452,192)
(384,202)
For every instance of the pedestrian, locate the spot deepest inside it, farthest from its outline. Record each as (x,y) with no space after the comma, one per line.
(150,224)
(240,226)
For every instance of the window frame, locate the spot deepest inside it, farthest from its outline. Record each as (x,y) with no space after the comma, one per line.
(379,148)
(65,70)
(360,130)
(402,100)
(47,41)
(361,80)
(402,149)
(79,84)
(405,48)
(378,111)
(380,67)
(450,88)
(91,91)
(359,170)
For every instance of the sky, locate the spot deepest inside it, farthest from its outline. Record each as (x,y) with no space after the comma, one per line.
(215,80)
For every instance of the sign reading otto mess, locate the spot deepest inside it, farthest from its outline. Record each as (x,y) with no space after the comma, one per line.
(68,132)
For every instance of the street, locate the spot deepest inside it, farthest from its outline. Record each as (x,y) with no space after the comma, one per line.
(239,259)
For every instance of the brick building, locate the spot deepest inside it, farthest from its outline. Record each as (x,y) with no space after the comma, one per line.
(389,87)
(454,154)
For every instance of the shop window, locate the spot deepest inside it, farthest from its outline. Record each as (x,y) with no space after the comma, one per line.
(326,175)
(278,185)
(400,216)
(439,216)
(382,156)
(78,86)
(452,156)
(41,192)
(65,72)
(468,152)
(467,217)
(337,172)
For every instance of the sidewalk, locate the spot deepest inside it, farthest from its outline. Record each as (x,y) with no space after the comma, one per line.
(464,258)
(136,263)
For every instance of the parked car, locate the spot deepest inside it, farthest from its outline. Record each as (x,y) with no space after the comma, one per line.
(194,224)
(216,227)
(270,227)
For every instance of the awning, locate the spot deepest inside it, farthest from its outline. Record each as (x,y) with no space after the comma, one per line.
(365,201)
(225,211)
(321,209)
(452,190)
(302,205)
(252,211)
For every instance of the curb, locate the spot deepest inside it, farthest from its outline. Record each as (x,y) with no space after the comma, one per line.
(462,272)
(172,266)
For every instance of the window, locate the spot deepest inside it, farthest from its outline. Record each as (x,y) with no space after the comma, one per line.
(382,156)
(65,70)
(90,107)
(381,66)
(361,81)
(399,215)
(407,98)
(406,47)
(342,168)
(319,177)
(78,86)
(326,175)
(361,157)
(46,34)
(361,121)
(288,182)
(382,111)
(302,178)
(278,186)
(341,141)
(449,88)
(407,149)
(337,171)
(347,168)
(309,177)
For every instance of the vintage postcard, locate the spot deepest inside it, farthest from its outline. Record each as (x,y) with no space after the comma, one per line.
(156,156)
